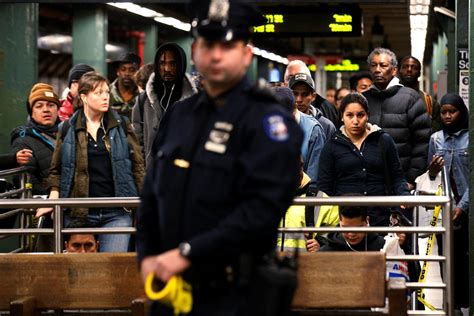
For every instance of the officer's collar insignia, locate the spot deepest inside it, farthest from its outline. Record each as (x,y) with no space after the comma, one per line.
(275,127)
(219,137)
(219,11)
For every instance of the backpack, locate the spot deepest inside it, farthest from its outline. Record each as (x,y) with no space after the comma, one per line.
(429,103)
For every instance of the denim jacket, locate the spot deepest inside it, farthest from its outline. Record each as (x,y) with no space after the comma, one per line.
(455,152)
(313,143)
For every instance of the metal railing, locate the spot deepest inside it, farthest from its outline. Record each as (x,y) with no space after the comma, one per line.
(418,200)
(25,192)
(445,200)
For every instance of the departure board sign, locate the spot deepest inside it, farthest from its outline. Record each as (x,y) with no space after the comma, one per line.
(311,21)
(345,65)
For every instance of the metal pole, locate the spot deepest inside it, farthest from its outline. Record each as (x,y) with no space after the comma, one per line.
(448,246)
(415,251)
(25,183)
(23,238)
(58,223)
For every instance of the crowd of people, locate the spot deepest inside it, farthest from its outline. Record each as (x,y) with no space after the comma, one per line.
(211,163)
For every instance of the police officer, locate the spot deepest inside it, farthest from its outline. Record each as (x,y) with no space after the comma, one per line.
(225,170)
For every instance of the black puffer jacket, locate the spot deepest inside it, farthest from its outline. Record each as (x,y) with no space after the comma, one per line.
(401,112)
(42,142)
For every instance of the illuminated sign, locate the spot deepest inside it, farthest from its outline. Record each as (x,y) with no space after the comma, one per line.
(316,20)
(272,19)
(345,65)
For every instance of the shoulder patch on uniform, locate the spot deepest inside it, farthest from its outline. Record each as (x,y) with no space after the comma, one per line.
(275,127)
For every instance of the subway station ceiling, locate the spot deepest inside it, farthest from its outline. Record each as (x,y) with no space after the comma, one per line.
(384,23)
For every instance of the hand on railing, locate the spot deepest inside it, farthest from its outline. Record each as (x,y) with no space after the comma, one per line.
(54,194)
(43,211)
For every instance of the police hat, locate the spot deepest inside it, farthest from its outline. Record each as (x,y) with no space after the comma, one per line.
(224,20)
(301,77)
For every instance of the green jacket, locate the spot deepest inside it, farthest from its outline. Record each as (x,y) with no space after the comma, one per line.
(118,104)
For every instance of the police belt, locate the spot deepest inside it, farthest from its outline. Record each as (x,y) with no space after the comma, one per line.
(222,275)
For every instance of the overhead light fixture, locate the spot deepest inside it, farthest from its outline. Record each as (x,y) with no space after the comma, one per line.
(134,8)
(268,55)
(174,23)
(59,43)
(419,10)
(183,26)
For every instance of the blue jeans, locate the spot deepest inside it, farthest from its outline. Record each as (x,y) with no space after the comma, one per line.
(108,217)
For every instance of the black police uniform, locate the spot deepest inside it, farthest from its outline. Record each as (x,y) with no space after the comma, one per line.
(224,174)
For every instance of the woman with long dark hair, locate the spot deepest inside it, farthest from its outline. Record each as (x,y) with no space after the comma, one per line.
(361,158)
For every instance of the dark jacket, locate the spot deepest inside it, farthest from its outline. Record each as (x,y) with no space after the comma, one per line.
(151,105)
(328,126)
(401,112)
(222,183)
(336,242)
(343,169)
(41,141)
(328,109)
(8,161)
(69,166)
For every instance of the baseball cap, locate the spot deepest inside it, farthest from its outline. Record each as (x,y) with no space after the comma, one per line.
(302,77)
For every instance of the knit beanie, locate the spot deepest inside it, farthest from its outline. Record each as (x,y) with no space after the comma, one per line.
(76,73)
(42,92)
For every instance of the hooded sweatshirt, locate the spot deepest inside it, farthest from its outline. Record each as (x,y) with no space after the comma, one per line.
(158,97)
(336,242)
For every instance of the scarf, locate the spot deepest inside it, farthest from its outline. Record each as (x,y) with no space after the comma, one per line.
(456,101)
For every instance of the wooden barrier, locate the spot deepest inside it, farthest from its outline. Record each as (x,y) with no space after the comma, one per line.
(33,282)
(346,283)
